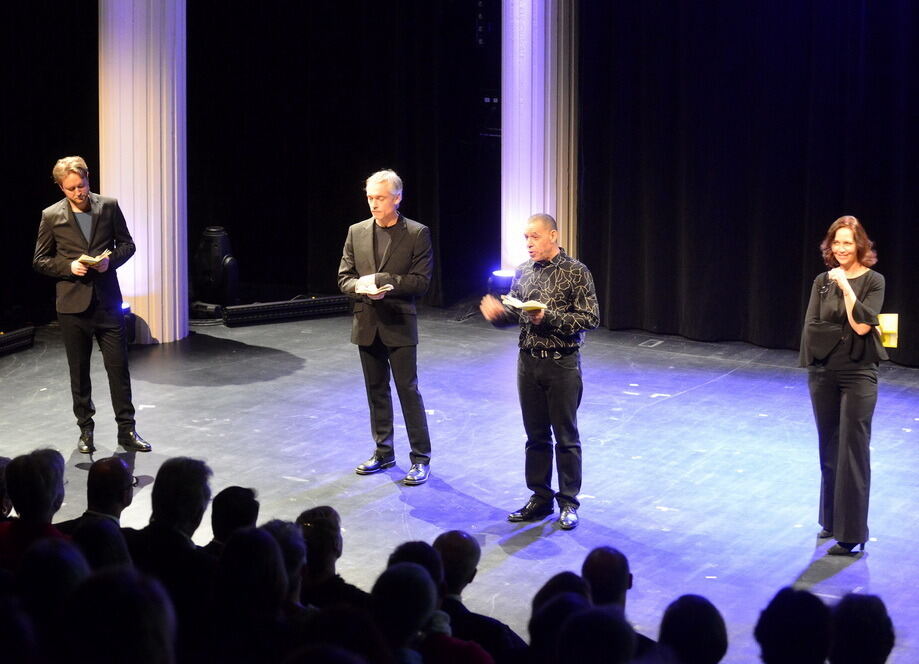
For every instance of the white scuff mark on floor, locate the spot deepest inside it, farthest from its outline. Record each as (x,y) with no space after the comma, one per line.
(762,415)
(144,406)
(44,389)
(663,508)
(906,430)
(634,394)
(294,479)
(633,384)
(658,395)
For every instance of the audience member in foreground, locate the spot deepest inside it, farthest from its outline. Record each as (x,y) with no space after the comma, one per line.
(460,554)
(607,572)
(693,629)
(862,631)
(322,585)
(794,629)
(233,508)
(35,485)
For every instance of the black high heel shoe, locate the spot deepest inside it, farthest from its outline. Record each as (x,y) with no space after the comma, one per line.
(845,548)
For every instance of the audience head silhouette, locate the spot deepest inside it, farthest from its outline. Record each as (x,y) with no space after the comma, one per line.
(35,484)
(321,528)
(109,486)
(862,631)
(460,554)
(693,629)
(606,570)
(404,597)
(563,582)
(233,508)
(793,629)
(597,634)
(181,494)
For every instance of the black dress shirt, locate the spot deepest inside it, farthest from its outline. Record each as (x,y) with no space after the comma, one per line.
(566,287)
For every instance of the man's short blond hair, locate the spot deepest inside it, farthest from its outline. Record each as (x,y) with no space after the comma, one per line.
(67,165)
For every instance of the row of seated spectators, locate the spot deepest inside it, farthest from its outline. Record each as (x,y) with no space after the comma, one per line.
(87,590)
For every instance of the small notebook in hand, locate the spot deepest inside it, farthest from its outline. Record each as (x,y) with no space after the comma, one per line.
(89,260)
(529,305)
(371,289)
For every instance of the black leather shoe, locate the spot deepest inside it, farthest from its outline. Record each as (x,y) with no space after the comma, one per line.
(532,511)
(374,465)
(568,519)
(85,444)
(132,442)
(825,534)
(417,474)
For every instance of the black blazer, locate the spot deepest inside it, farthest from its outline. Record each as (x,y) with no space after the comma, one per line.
(60,242)
(407,266)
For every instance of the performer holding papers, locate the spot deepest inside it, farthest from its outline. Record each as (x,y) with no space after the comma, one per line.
(552,298)
(387,263)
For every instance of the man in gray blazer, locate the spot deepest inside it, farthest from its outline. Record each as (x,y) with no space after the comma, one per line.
(386,264)
(85,225)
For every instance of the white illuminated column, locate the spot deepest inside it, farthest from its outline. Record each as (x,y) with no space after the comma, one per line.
(142,155)
(538,120)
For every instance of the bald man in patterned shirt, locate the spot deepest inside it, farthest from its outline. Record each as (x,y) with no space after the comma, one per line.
(549,366)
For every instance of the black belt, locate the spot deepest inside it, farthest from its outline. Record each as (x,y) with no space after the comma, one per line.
(554,353)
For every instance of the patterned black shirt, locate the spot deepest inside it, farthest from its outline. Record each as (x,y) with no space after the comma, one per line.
(567,288)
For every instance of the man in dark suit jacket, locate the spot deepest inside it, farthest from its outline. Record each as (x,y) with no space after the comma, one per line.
(386,264)
(83,226)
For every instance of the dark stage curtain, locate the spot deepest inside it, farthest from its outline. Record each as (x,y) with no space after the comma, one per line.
(718,142)
(292,104)
(50,110)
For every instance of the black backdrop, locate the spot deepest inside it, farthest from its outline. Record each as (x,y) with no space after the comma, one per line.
(50,109)
(720,140)
(292,104)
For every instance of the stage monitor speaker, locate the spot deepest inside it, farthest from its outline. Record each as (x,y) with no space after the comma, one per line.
(274,312)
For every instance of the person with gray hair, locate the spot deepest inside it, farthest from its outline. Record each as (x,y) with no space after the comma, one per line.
(82,241)
(35,485)
(386,265)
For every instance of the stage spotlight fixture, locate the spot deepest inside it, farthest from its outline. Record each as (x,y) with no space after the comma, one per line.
(499,283)
(216,271)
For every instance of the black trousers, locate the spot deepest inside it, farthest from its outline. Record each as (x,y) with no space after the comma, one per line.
(550,391)
(843,404)
(378,361)
(107,327)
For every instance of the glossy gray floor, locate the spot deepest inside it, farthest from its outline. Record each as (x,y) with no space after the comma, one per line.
(700,459)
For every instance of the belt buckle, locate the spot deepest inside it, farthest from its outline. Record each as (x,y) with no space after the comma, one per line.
(556,355)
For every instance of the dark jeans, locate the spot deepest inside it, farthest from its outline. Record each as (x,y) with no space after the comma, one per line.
(843,404)
(107,326)
(550,392)
(377,360)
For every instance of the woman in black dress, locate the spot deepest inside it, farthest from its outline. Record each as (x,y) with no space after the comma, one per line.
(841,348)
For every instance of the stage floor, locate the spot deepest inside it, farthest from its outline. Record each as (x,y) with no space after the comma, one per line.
(700,459)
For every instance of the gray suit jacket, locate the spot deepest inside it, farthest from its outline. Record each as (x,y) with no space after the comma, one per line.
(407,266)
(60,242)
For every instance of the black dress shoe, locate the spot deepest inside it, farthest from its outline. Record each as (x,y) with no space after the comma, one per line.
(132,442)
(532,511)
(374,465)
(568,519)
(825,534)
(85,444)
(417,474)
